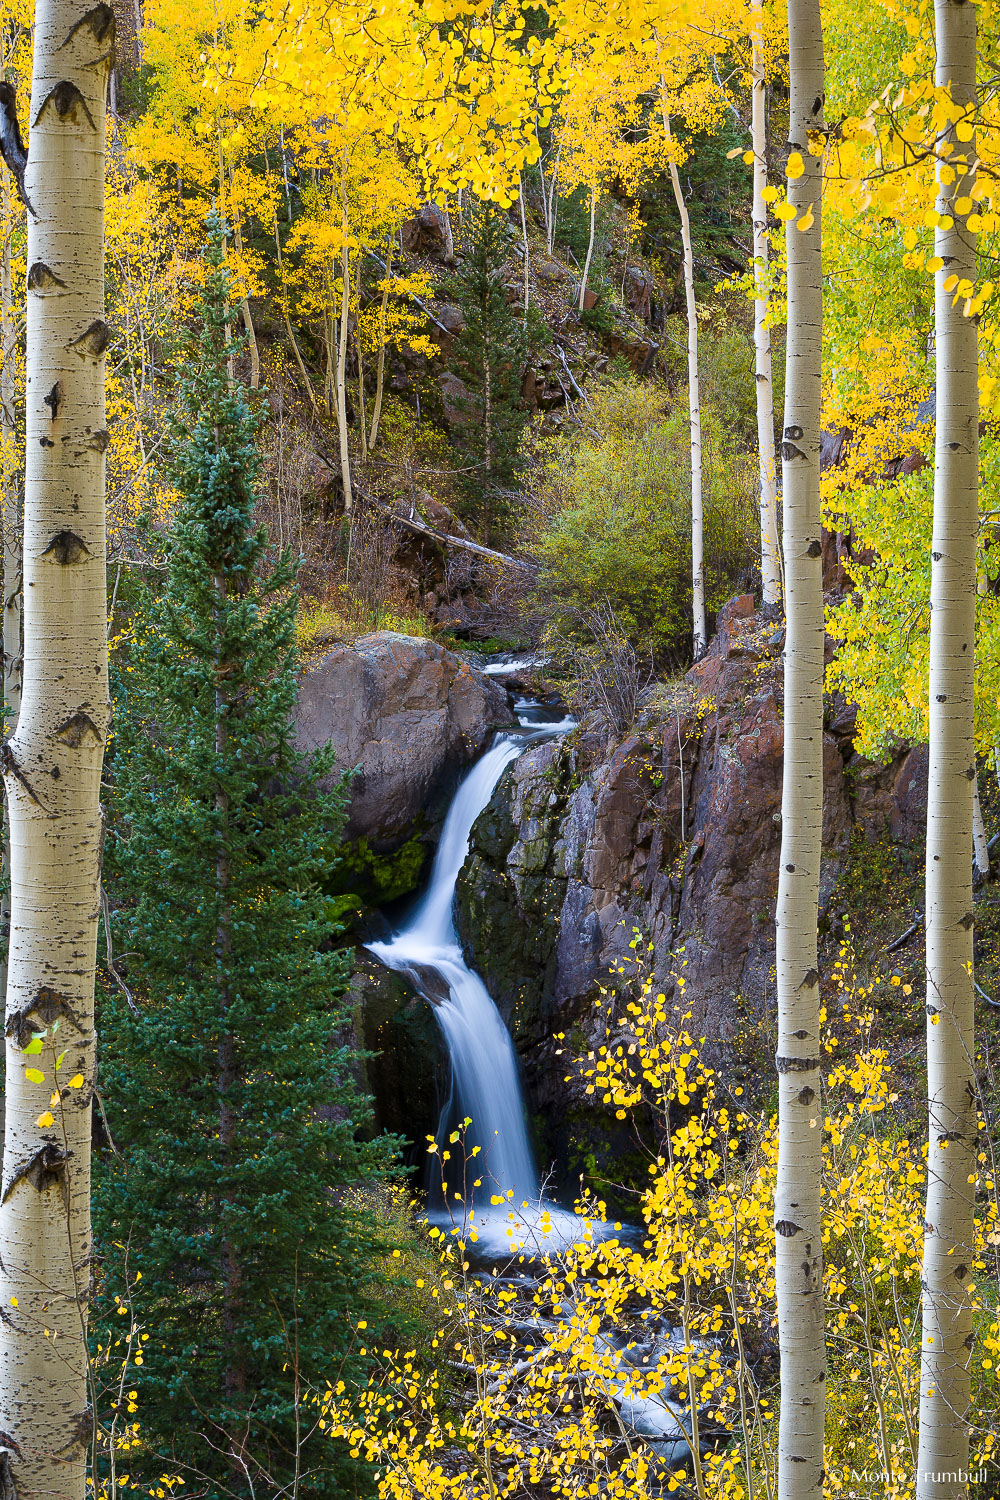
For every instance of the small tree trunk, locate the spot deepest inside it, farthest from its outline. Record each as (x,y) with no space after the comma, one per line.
(380,372)
(524,240)
(797,1214)
(53,773)
(700,631)
(590,248)
(345,303)
(770,563)
(943,1450)
(980,843)
(244,299)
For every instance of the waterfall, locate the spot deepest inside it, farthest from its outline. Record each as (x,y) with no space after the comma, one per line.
(486,1086)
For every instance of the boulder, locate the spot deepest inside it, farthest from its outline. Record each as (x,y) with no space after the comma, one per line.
(409,715)
(639,287)
(457,401)
(428,234)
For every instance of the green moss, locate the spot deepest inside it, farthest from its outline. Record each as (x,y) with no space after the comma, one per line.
(363,877)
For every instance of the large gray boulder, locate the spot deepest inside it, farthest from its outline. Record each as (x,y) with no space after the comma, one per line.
(409,715)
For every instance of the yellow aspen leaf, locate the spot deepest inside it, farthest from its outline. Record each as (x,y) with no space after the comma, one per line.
(748,158)
(807,220)
(76,1082)
(909,238)
(34,1076)
(965,130)
(934,264)
(795,166)
(44,1121)
(963,205)
(785,212)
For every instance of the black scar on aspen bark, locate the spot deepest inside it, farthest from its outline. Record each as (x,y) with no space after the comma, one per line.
(971,772)
(790,869)
(76,728)
(48,1006)
(807,1096)
(45,1168)
(789,451)
(786,1228)
(54,400)
(811,979)
(8,1484)
(11,145)
(793,432)
(800,1035)
(942,697)
(68,101)
(93,341)
(46,443)
(42,279)
(66,547)
(795,1064)
(935,557)
(970,1341)
(100,22)
(814,548)
(967,920)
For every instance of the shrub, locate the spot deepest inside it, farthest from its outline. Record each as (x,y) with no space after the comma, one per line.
(611,518)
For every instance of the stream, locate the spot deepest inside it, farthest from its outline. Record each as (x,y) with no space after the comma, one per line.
(485,1076)
(486,1090)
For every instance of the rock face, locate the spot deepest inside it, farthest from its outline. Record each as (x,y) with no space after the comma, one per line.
(674,832)
(409,714)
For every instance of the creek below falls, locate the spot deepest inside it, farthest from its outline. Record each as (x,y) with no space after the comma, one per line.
(486,1091)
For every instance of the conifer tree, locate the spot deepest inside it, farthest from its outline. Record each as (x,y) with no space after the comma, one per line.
(229,1098)
(490,356)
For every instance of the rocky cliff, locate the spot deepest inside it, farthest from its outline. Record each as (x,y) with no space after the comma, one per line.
(674,832)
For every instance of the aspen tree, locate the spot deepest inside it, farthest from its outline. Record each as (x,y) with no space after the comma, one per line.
(52,769)
(946,1328)
(700,630)
(770,564)
(799,1256)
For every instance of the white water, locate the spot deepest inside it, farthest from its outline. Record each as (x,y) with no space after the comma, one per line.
(486,1086)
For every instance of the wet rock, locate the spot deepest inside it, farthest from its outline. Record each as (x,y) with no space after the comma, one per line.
(406,1067)
(676,832)
(409,715)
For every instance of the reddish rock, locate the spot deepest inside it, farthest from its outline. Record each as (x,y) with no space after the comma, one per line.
(408,714)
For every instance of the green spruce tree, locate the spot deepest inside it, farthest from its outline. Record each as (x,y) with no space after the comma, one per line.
(229,1090)
(490,356)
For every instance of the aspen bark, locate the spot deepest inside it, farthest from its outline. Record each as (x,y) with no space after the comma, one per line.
(590,249)
(700,629)
(946,1327)
(980,844)
(770,563)
(11,547)
(380,372)
(52,771)
(345,303)
(799,1254)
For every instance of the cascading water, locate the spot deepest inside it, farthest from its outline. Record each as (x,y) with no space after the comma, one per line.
(486,1087)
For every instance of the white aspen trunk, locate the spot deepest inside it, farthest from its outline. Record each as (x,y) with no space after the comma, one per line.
(345,303)
(770,563)
(449,236)
(245,312)
(700,631)
(380,372)
(11,547)
(362,419)
(524,240)
(980,843)
(52,769)
(946,1324)
(797,1214)
(590,248)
